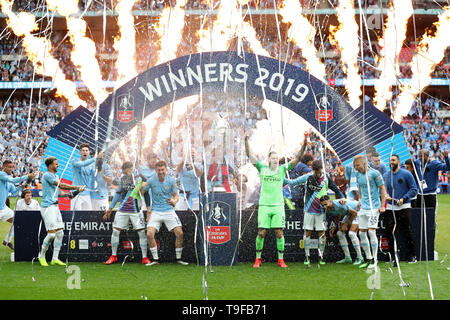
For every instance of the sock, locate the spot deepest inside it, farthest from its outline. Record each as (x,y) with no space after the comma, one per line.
(57,244)
(356,245)
(47,241)
(373,243)
(280,247)
(143,243)
(306,244)
(9,235)
(154,252)
(259,246)
(115,241)
(322,245)
(365,244)
(178,252)
(343,243)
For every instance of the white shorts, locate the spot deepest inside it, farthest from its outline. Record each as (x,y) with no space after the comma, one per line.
(169,218)
(81,203)
(100,204)
(368,219)
(6,213)
(314,221)
(122,219)
(354,221)
(52,217)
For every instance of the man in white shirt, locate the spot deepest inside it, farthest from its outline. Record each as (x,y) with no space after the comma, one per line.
(27,203)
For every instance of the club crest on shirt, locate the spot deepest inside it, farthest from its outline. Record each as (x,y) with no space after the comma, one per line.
(324,107)
(125,108)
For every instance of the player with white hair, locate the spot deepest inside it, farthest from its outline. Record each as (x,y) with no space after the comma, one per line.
(373,198)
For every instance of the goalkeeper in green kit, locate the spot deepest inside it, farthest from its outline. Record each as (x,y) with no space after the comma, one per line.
(271,213)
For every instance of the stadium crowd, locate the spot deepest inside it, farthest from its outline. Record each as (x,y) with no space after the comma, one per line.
(98,5)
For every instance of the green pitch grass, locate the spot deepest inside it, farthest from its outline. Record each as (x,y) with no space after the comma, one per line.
(175,282)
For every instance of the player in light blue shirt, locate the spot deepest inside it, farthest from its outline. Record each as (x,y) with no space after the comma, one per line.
(100,194)
(350,176)
(82,170)
(50,212)
(146,171)
(347,210)
(189,177)
(164,193)
(377,164)
(7,186)
(373,199)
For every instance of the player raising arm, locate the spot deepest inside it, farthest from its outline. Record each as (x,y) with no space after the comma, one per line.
(271,213)
(51,190)
(316,184)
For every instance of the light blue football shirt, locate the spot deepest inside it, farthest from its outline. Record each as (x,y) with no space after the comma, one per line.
(49,192)
(343,209)
(375,182)
(102,185)
(5,188)
(161,192)
(82,172)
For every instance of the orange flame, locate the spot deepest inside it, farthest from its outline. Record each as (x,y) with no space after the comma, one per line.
(394,35)
(430,52)
(170,30)
(224,27)
(125,43)
(83,52)
(345,36)
(302,33)
(39,52)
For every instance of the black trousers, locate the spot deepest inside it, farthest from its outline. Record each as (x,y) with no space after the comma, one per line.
(403,220)
(430,201)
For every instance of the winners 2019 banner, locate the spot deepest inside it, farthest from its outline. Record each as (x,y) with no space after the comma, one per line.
(347,130)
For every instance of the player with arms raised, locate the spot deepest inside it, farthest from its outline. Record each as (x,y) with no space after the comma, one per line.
(316,184)
(50,213)
(271,213)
